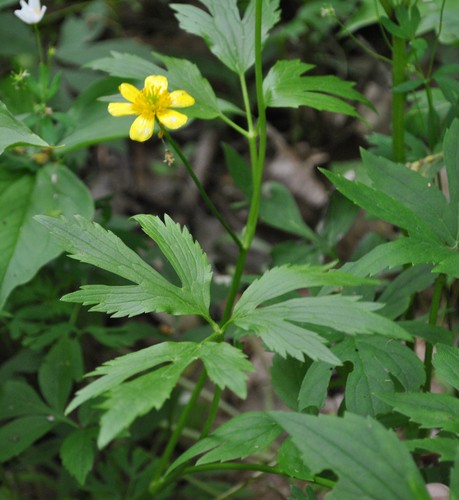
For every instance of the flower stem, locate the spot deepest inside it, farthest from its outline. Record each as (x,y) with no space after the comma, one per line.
(39,44)
(433,316)
(200,187)
(156,483)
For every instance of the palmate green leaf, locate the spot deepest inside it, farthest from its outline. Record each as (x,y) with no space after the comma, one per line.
(90,243)
(428,410)
(226,366)
(183,253)
(446,364)
(286,338)
(349,315)
(415,192)
(446,448)
(398,253)
(137,397)
(125,400)
(278,325)
(14,133)
(116,371)
(284,86)
(369,460)
(376,361)
(18,435)
(240,437)
(77,453)
(385,207)
(229,37)
(284,279)
(25,246)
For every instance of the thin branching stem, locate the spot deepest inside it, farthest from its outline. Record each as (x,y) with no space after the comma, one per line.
(269,469)
(200,187)
(156,483)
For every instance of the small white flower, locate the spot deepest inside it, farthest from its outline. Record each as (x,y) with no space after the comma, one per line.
(32,12)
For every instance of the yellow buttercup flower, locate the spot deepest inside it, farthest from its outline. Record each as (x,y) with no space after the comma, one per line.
(153,101)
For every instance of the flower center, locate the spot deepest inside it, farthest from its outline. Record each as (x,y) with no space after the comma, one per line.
(151,100)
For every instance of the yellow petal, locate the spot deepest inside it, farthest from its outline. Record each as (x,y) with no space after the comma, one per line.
(158,81)
(121,109)
(172,119)
(181,99)
(142,128)
(128,91)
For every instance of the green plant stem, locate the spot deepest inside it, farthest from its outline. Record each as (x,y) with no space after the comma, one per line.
(212,413)
(234,286)
(208,396)
(257,159)
(156,483)
(233,125)
(364,47)
(398,98)
(433,316)
(322,481)
(200,187)
(39,44)
(74,315)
